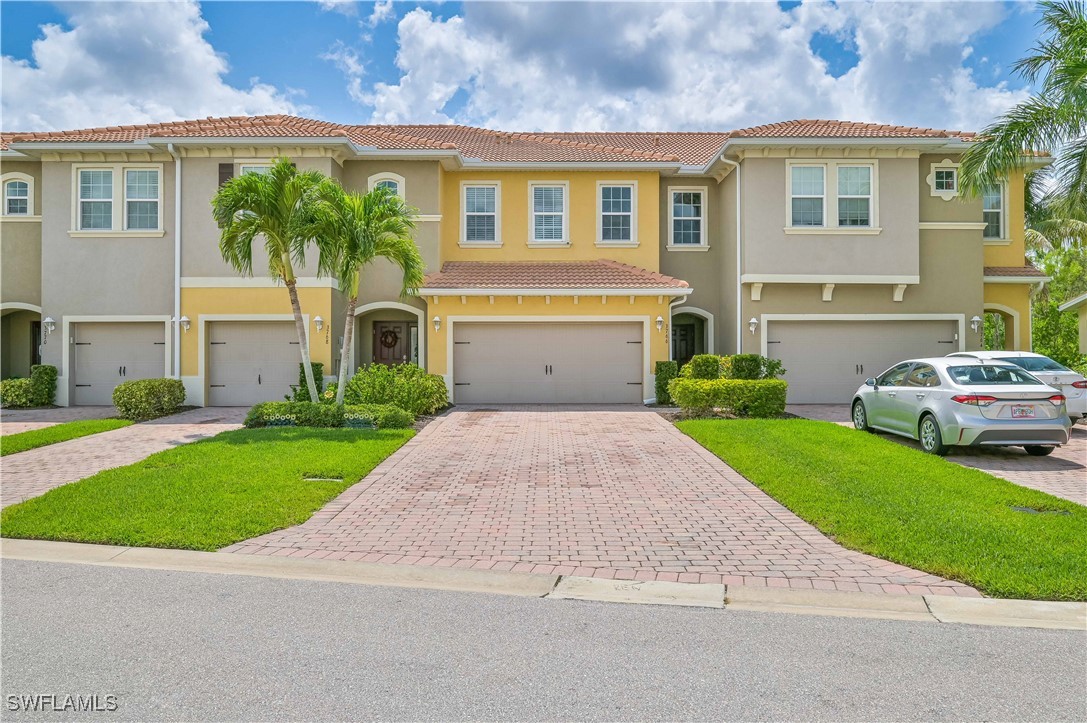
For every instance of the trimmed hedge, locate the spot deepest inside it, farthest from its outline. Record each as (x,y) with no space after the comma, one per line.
(666,372)
(741,397)
(329,416)
(407,386)
(705,366)
(144,399)
(16,393)
(43,385)
(755,366)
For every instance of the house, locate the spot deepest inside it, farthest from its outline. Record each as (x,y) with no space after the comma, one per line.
(1079,305)
(562,266)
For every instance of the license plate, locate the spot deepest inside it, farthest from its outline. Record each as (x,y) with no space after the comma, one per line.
(1022,412)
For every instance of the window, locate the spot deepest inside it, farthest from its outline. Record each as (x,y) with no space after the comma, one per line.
(808,195)
(687,215)
(923,375)
(142,199)
(96,199)
(854,196)
(480,214)
(617,204)
(391,186)
(391,181)
(992,204)
(946,179)
(894,377)
(990,375)
(245,168)
(16,198)
(1034,363)
(548,213)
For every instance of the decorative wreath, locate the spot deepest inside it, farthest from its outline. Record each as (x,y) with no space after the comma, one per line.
(389,338)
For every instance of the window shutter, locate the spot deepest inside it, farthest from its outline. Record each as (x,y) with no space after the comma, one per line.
(226,172)
(294,165)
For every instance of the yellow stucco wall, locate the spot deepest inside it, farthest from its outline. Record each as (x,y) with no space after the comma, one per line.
(582,202)
(1001,297)
(1012,250)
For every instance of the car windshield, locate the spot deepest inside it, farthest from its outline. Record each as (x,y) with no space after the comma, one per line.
(1036,364)
(990,374)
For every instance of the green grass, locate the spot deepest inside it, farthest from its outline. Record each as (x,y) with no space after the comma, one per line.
(21,442)
(208,494)
(876,496)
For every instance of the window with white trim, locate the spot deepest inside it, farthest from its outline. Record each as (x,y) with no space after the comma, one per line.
(391,186)
(245,168)
(142,199)
(548,213)
(946,179)
(687,211)
(808,195)
(480,218)
(617,208)
(96,199)
(992,205)
(390,181)
(16,198)
(854,195)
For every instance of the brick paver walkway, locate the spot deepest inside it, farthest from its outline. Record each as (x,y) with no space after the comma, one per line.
(1062,474)
(13,421)
(36,471)
(606,493)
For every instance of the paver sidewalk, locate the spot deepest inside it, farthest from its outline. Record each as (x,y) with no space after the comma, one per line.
(611,493)
(36,471)
(13,421)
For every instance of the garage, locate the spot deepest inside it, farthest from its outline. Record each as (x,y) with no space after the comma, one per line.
(107,354)
(544,362)
(827,360)
(251,361)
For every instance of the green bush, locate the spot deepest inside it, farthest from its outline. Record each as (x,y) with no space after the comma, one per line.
(144,399)
(725,363)
(755,366)
(330,416)
(300,393)
(705,366)
(666,372)
(406,386)
(16,393)
(43,385)
(740,397)
(382,416)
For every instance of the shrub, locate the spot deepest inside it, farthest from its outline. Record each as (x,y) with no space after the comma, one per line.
(327,416)
(755,366)
(666,372)
(406,386)
(725,363)
(705,366)
(43,385)
(300,393)
(741,397)
(16,393)
(144,399)
(382,416)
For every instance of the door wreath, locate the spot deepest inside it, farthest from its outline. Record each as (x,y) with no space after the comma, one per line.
(389,338)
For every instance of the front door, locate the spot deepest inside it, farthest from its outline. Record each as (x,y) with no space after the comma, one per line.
(392,342)
(682,342)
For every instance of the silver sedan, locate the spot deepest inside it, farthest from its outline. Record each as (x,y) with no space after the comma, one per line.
(959,401)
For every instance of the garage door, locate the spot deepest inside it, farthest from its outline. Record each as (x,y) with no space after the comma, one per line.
(556,363)
(106,354)
(251,361)
(827,360)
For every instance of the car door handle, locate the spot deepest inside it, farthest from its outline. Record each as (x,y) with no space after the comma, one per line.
(892,394)
(920,395)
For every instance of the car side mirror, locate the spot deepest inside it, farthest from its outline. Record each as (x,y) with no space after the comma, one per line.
(870,382)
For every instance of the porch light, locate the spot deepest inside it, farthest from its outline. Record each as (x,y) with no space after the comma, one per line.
(437,323)
(49,325)
(185,323)
(975,323)
(319,322)
(753,324)
(660,322)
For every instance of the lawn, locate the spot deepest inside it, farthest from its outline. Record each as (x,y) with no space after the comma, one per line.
(208,494)
(21,442)
(875,496)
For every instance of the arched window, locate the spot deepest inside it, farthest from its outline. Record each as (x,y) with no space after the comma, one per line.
(18,194)
(390,185)
(391,181)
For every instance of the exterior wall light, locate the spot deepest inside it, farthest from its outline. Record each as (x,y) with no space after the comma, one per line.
(753,324)
(185,323)
(437,323)
(49,325)
(975,324)
(319,322)
(660,322)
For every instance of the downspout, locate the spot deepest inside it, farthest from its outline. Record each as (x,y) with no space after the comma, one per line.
(177,261)
(739,260)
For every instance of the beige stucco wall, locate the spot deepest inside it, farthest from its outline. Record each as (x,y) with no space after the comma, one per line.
(21,245)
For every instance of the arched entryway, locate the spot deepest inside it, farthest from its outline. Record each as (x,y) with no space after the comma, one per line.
(692,333)
(389,332)
(20,338)
(1002,327)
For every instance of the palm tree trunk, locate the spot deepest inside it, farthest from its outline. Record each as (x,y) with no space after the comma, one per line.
(300,327)
(348,331)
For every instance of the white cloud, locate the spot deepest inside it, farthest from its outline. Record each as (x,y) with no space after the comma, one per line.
(346,7)
(128,62)
(383,10)
(347,60)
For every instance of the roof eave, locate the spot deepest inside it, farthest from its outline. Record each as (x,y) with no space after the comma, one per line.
(559,291)
(654,165)
(1073,303)
(1016,279)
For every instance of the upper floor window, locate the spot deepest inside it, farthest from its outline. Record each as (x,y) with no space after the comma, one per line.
(244,168)
(96,199)
(142,199)
(617,210)
(854,195)
(992,204)
(548,213)
(16,198)
(480,219)
(390,181)
(808,195)
(687,212)
(118,198)
(946,179)
(831,197)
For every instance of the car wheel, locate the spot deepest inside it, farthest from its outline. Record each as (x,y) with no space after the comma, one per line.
(929,436)
(860,417)
(1038,450)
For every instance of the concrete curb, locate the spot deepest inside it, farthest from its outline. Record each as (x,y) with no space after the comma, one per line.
(927,608)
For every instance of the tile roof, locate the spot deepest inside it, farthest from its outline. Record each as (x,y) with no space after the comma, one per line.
(692,148)
(1026,271)
(598,274)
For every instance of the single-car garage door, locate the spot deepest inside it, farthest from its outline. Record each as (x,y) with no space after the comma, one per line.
(826,361)
(251,361)
(559,363)
(106,354)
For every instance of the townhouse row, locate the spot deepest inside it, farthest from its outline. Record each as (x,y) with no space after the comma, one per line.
(561,267)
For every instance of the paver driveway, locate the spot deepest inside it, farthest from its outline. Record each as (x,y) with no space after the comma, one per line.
(1062,474)
(615,493)
(13,421)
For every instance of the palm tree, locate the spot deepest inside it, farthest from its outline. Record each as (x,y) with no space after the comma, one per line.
(357,229)
(278,206)
(1054,119)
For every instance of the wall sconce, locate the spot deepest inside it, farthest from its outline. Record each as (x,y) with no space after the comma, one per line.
(49,325)
(753,324)
(319,322)
(185,323)
(975,324)
(437,323)
(660,322)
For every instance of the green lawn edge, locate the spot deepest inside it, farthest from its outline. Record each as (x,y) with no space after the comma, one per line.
(208,494)
(34,438)
(875,496)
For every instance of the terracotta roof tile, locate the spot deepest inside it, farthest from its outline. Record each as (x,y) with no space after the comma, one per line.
(598,274)
(842,129)
(1027,271)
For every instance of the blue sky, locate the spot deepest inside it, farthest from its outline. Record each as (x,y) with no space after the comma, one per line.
(526,67)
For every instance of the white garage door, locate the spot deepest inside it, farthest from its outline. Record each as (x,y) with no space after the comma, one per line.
(251,361)
(106,354)
(826,361)
(559,363)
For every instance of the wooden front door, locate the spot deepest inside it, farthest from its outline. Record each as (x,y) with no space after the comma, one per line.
(392,342)
(682,342)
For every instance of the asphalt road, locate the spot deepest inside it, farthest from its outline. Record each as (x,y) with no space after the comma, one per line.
(175,646)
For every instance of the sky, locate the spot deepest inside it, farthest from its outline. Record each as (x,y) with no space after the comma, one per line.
(535,66)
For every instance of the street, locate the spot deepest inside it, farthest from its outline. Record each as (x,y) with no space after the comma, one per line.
(173,645)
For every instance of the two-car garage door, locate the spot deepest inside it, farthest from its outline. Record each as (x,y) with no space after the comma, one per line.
(826,361)
(544,362)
